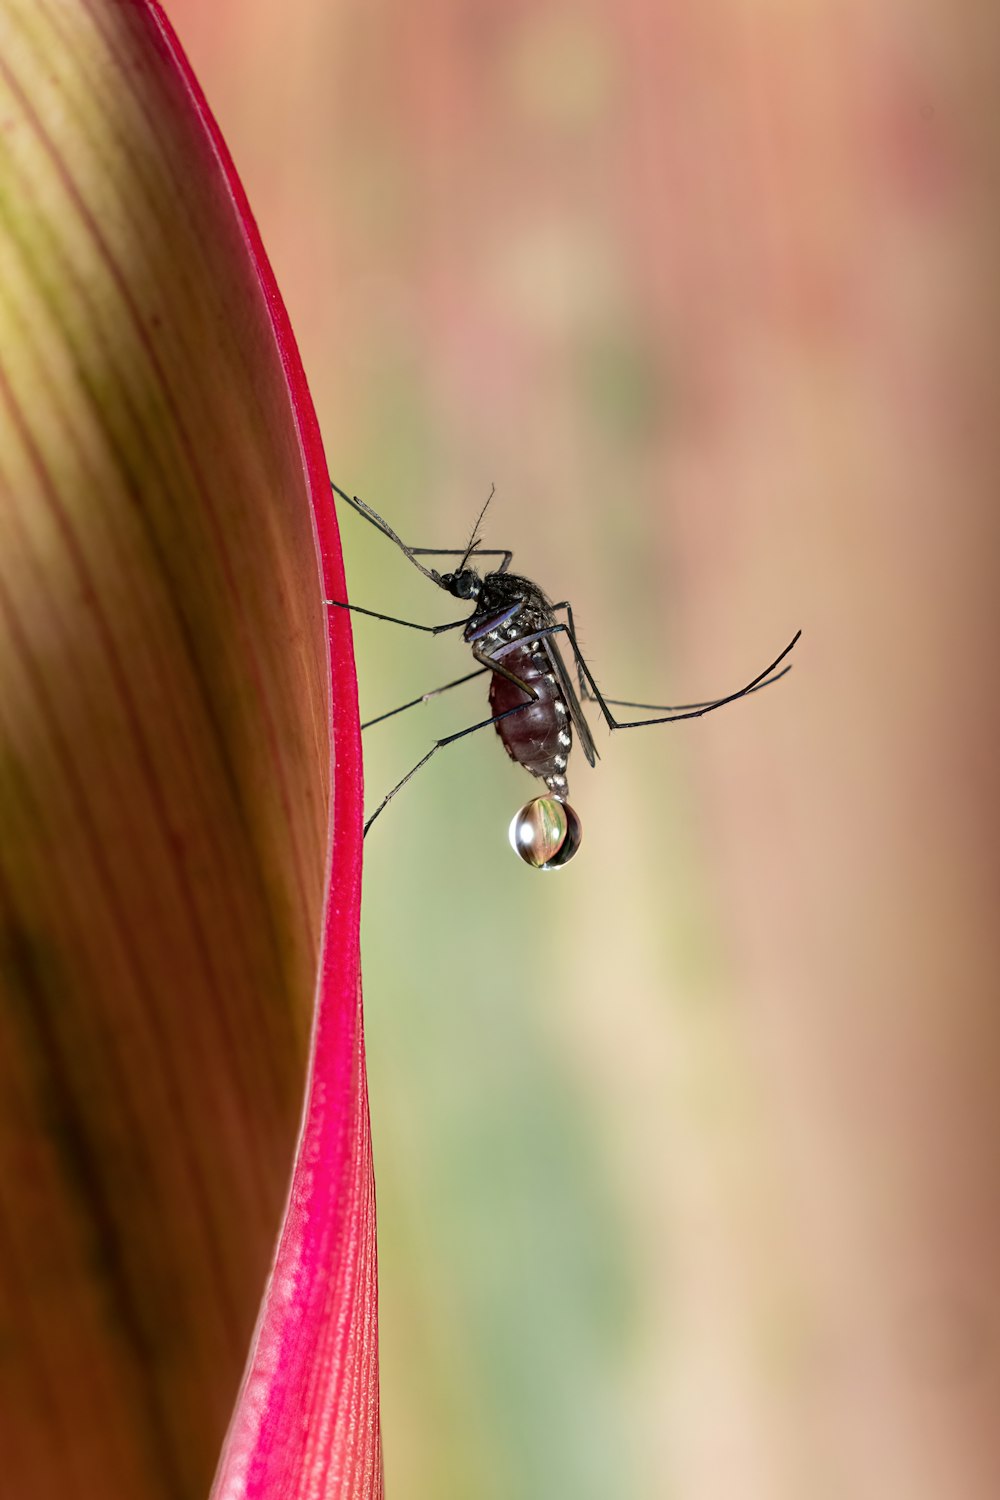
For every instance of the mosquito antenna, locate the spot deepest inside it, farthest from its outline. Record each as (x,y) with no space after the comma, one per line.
(474,543)
(386,530)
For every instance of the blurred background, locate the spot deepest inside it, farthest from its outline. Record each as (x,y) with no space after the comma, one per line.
(687,1157)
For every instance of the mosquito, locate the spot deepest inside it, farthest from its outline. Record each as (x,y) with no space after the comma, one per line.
(515,636)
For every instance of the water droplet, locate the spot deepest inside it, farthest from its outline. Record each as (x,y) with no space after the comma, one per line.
(545,833)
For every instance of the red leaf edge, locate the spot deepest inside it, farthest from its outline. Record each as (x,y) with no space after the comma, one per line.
(306,1421)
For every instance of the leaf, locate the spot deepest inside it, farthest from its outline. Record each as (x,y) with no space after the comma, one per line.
(172,702)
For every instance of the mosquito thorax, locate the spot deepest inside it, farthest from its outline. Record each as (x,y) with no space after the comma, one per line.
(465,584)
(546,833)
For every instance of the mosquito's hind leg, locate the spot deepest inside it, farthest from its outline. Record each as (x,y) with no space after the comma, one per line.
(585,692)
(663,708)
(439,745)
(763,679)
(674,708)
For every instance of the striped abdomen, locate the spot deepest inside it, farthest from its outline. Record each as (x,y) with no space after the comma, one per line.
(538,737)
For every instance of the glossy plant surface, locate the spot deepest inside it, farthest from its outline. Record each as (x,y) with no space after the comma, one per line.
(179,863)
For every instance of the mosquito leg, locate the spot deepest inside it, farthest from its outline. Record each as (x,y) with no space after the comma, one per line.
(382,525)
(673,708)
(492,665)
(434,693)
(394,619)
(584,688)
(665,708)
(373,517)
(585,692)
(525,640)
(460,552)
(763,679)
(439,745)
(362,509)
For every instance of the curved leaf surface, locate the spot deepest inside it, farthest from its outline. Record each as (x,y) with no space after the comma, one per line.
(172,861)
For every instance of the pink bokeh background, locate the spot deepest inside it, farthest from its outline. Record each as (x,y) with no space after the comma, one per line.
(685,1162)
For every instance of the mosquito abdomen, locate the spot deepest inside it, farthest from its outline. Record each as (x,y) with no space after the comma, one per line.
(538,737)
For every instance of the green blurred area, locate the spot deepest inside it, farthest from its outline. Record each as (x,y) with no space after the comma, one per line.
(509,1314)
(552,1059)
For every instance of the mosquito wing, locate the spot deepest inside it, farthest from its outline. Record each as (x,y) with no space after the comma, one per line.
(572,701)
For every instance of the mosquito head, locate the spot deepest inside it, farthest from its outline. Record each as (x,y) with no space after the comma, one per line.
(465,584)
